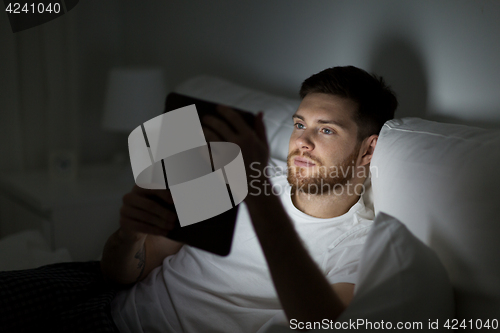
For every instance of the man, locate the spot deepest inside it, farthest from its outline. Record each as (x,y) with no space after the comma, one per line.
(297,250)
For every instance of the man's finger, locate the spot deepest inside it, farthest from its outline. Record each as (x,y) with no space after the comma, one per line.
(165,195)
(146,217)
(219,127)
(149,206)
(233,118)
(210,135)
(143,191)
(145,228)
(260,128)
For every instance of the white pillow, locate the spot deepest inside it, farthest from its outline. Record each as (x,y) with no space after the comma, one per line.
(400,280)
(277,110)
(442,181)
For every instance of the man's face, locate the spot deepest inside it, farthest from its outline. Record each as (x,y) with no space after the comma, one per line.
(323,147)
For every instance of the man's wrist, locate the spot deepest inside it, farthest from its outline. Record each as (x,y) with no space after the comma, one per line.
(259,188)
(130,236)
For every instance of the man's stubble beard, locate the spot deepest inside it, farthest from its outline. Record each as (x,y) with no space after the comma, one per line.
(322,181)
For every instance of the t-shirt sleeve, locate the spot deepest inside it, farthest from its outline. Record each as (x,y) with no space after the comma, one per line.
(342,259)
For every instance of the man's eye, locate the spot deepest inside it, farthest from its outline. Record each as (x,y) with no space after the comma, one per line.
(298,126)
(327,131)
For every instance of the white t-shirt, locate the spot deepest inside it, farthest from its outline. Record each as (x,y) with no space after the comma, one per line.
(195,291)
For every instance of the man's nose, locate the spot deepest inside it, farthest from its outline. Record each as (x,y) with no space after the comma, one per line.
(304,142)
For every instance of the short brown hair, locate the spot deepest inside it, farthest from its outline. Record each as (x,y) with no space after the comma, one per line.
(376,100)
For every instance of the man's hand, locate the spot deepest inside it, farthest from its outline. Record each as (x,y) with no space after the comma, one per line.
(147,212)
(139,245)
(252,141)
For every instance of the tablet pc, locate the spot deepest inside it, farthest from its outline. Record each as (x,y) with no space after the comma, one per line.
(215,234)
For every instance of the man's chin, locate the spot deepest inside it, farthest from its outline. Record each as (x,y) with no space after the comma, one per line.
(315,186)
(304,172)
(305,185)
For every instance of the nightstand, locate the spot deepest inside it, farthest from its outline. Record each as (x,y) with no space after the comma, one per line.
(77,214)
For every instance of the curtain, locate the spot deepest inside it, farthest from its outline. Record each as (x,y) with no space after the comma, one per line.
(38,93)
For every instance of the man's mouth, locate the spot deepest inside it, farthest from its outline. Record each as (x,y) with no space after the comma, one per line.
(302,162)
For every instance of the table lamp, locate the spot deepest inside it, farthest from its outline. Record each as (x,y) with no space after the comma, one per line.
(133,96)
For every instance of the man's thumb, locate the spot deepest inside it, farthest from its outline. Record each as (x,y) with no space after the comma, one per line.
(260,128)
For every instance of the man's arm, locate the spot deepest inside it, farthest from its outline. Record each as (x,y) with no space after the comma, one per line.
(128,258)
(345,291)
(139,245)
(303,290)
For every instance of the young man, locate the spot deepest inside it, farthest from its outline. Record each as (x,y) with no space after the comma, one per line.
(296,250)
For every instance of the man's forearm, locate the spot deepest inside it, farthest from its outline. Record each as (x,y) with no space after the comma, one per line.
(124,257)
(304,292)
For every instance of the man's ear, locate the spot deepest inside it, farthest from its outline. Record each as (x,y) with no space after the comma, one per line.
(366,150)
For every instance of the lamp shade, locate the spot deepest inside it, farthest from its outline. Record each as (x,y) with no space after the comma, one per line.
(133,96)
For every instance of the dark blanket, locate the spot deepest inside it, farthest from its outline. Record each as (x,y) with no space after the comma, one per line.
(65,297)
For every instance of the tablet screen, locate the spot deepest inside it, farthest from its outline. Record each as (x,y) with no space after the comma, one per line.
(215,234)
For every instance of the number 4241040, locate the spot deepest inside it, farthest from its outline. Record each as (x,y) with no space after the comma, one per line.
(33,8)
(455,324)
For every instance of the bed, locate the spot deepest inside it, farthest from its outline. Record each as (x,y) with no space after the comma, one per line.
(435,187)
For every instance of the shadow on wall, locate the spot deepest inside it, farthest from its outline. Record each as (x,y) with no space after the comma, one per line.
(403,69)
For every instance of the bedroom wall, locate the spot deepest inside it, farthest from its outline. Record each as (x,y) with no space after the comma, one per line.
(447,50)
(441,57)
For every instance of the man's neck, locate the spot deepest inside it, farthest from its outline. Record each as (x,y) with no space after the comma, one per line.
(325,205)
